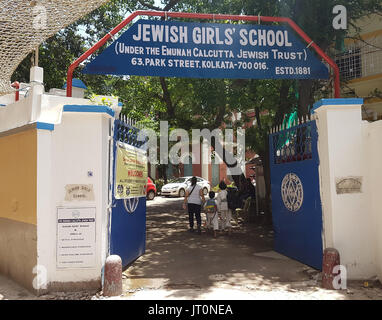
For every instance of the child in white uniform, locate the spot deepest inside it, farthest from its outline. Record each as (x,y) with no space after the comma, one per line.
(222,204)
(212,213)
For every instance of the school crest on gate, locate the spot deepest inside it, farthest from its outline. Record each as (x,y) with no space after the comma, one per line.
(131,204)
(292,192)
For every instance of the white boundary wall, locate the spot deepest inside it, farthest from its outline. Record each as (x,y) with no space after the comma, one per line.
(76,147)
(72,149)
(373,138)
(352,222)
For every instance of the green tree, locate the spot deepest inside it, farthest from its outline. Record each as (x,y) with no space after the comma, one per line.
(55,54)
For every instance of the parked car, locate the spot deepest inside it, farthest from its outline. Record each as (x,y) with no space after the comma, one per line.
(151,189)
(178,186)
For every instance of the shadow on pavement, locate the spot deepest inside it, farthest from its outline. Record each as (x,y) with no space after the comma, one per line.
(178,260)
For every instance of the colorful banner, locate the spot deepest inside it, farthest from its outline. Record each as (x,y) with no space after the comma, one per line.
(130,172)
(209,50)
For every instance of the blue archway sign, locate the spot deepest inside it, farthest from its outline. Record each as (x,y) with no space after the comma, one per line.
(208,50)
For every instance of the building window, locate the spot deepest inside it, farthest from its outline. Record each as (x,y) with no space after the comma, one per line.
(350,64)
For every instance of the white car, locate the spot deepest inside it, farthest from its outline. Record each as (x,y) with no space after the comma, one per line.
(178,186)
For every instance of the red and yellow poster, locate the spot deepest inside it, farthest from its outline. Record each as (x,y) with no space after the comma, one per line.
(130,172)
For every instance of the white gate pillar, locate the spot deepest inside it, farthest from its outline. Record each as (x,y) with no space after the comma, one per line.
(347,225)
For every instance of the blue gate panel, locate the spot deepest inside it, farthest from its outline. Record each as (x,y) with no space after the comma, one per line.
(128,217)
(298,234)
(128,236)
(296,204)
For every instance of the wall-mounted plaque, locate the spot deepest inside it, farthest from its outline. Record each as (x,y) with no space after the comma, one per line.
(349,185)
(76,237)
(79,192)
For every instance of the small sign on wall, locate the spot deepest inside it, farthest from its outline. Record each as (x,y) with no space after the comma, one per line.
(79,192)
(76,237)
(349,185)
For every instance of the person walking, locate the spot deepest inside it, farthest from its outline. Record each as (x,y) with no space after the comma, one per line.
(193,202)
(222,204)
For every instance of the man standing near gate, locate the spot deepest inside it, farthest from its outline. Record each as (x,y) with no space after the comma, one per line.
(193,200)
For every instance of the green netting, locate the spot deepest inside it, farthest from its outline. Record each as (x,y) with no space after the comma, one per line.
(25,24)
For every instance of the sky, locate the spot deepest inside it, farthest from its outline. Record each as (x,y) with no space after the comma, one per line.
(158,3)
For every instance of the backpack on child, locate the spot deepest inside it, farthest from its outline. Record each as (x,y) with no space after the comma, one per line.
(210,206)
(232,198)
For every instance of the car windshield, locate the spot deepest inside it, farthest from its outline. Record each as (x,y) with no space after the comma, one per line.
(178,180)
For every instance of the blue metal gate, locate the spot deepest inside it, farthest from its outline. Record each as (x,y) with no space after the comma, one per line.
(128,217)
(296,204)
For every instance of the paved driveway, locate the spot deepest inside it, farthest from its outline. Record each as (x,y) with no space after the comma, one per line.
(183,265)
